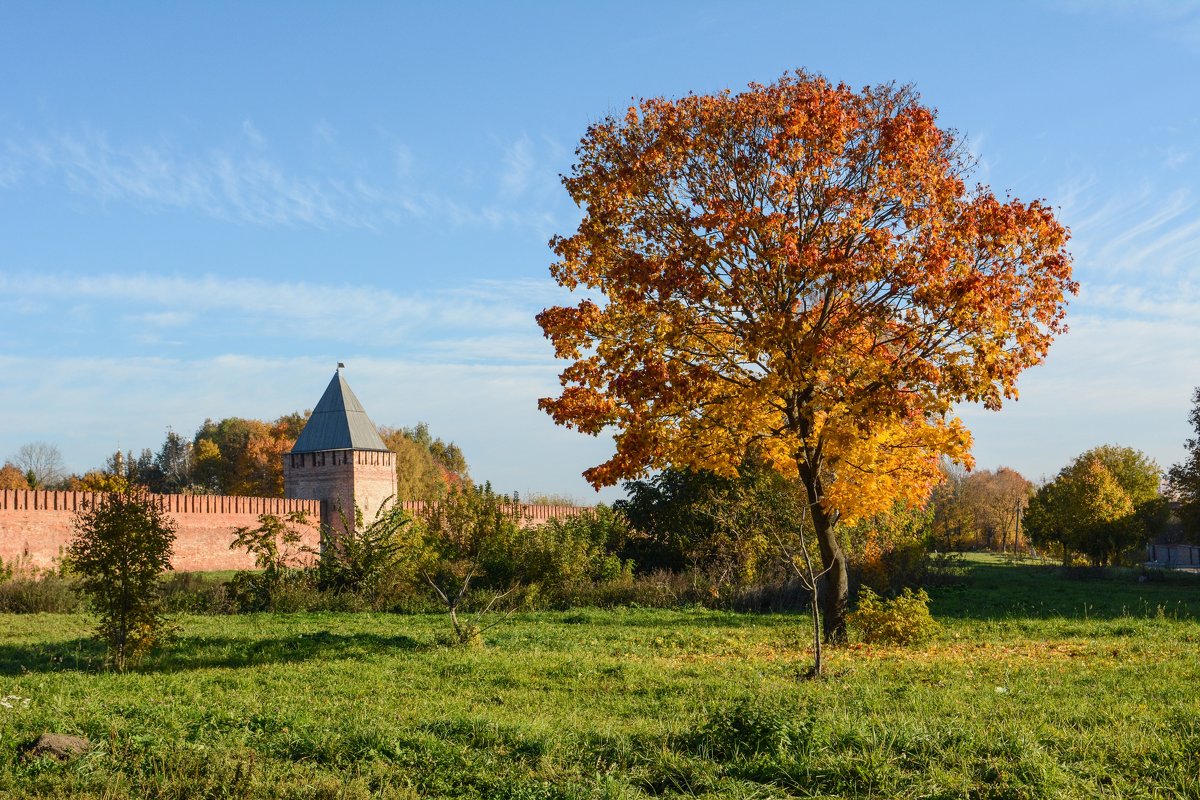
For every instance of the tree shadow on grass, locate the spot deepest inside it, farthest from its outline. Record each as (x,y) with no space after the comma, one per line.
(204,652)
(996,590)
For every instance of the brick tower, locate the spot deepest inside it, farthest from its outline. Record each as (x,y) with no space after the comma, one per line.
(339,458)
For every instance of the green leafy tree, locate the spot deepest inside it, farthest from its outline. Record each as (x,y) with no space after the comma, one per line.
(122,544)
(671,513)
(1184,477)
(173,464)
(426,467)
(1140,477)
(1101,505)
(696,519)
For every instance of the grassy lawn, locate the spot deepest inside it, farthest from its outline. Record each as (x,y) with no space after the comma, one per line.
(1037,686)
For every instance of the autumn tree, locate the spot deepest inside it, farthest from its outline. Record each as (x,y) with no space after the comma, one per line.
(12,477)
(97,480)
(953,523)
(797,271)
(1184,477)
(979,509)
(244,456)
(426,467)
(995,502)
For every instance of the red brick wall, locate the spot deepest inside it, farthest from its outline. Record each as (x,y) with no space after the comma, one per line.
(37,525)
(531,515)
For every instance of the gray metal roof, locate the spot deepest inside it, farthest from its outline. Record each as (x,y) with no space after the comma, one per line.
(339,422)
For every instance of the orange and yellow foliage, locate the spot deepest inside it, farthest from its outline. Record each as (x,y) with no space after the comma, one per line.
(798,270)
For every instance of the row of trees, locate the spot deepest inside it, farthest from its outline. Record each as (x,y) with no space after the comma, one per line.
(233,456)
(1104,505)
(979,510)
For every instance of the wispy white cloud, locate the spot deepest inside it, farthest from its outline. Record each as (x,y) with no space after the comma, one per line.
(1125,371)
(518,163)
(1175,156)
(252,186)
(162,319)
(1141,236)
(1174,20)
(253,134)
(1124,381)
(484,320)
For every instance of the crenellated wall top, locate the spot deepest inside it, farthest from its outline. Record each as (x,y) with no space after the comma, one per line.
(48,500)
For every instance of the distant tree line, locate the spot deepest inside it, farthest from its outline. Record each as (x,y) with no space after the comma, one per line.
(723,535)
(980,510)
(233,456)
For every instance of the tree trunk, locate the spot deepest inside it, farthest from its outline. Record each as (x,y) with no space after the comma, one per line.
(835,580)
(835,583)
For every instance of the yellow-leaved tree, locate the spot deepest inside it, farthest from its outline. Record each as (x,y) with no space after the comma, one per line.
(798,271)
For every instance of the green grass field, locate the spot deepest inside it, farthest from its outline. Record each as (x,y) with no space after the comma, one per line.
(1037,686)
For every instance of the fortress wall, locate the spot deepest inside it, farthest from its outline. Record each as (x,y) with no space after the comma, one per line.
(36,525)
(530,515)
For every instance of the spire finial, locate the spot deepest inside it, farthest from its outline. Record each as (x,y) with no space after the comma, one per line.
(341,365)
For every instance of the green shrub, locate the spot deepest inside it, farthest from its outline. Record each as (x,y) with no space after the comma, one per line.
(752,727)
(283,579)
(377,562)
(28,589)
(44,593)
(902,620)
(561,556)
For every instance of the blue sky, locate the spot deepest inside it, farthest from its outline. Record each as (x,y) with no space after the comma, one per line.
(203,207)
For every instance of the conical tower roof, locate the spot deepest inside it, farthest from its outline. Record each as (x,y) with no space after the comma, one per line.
(339,422)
